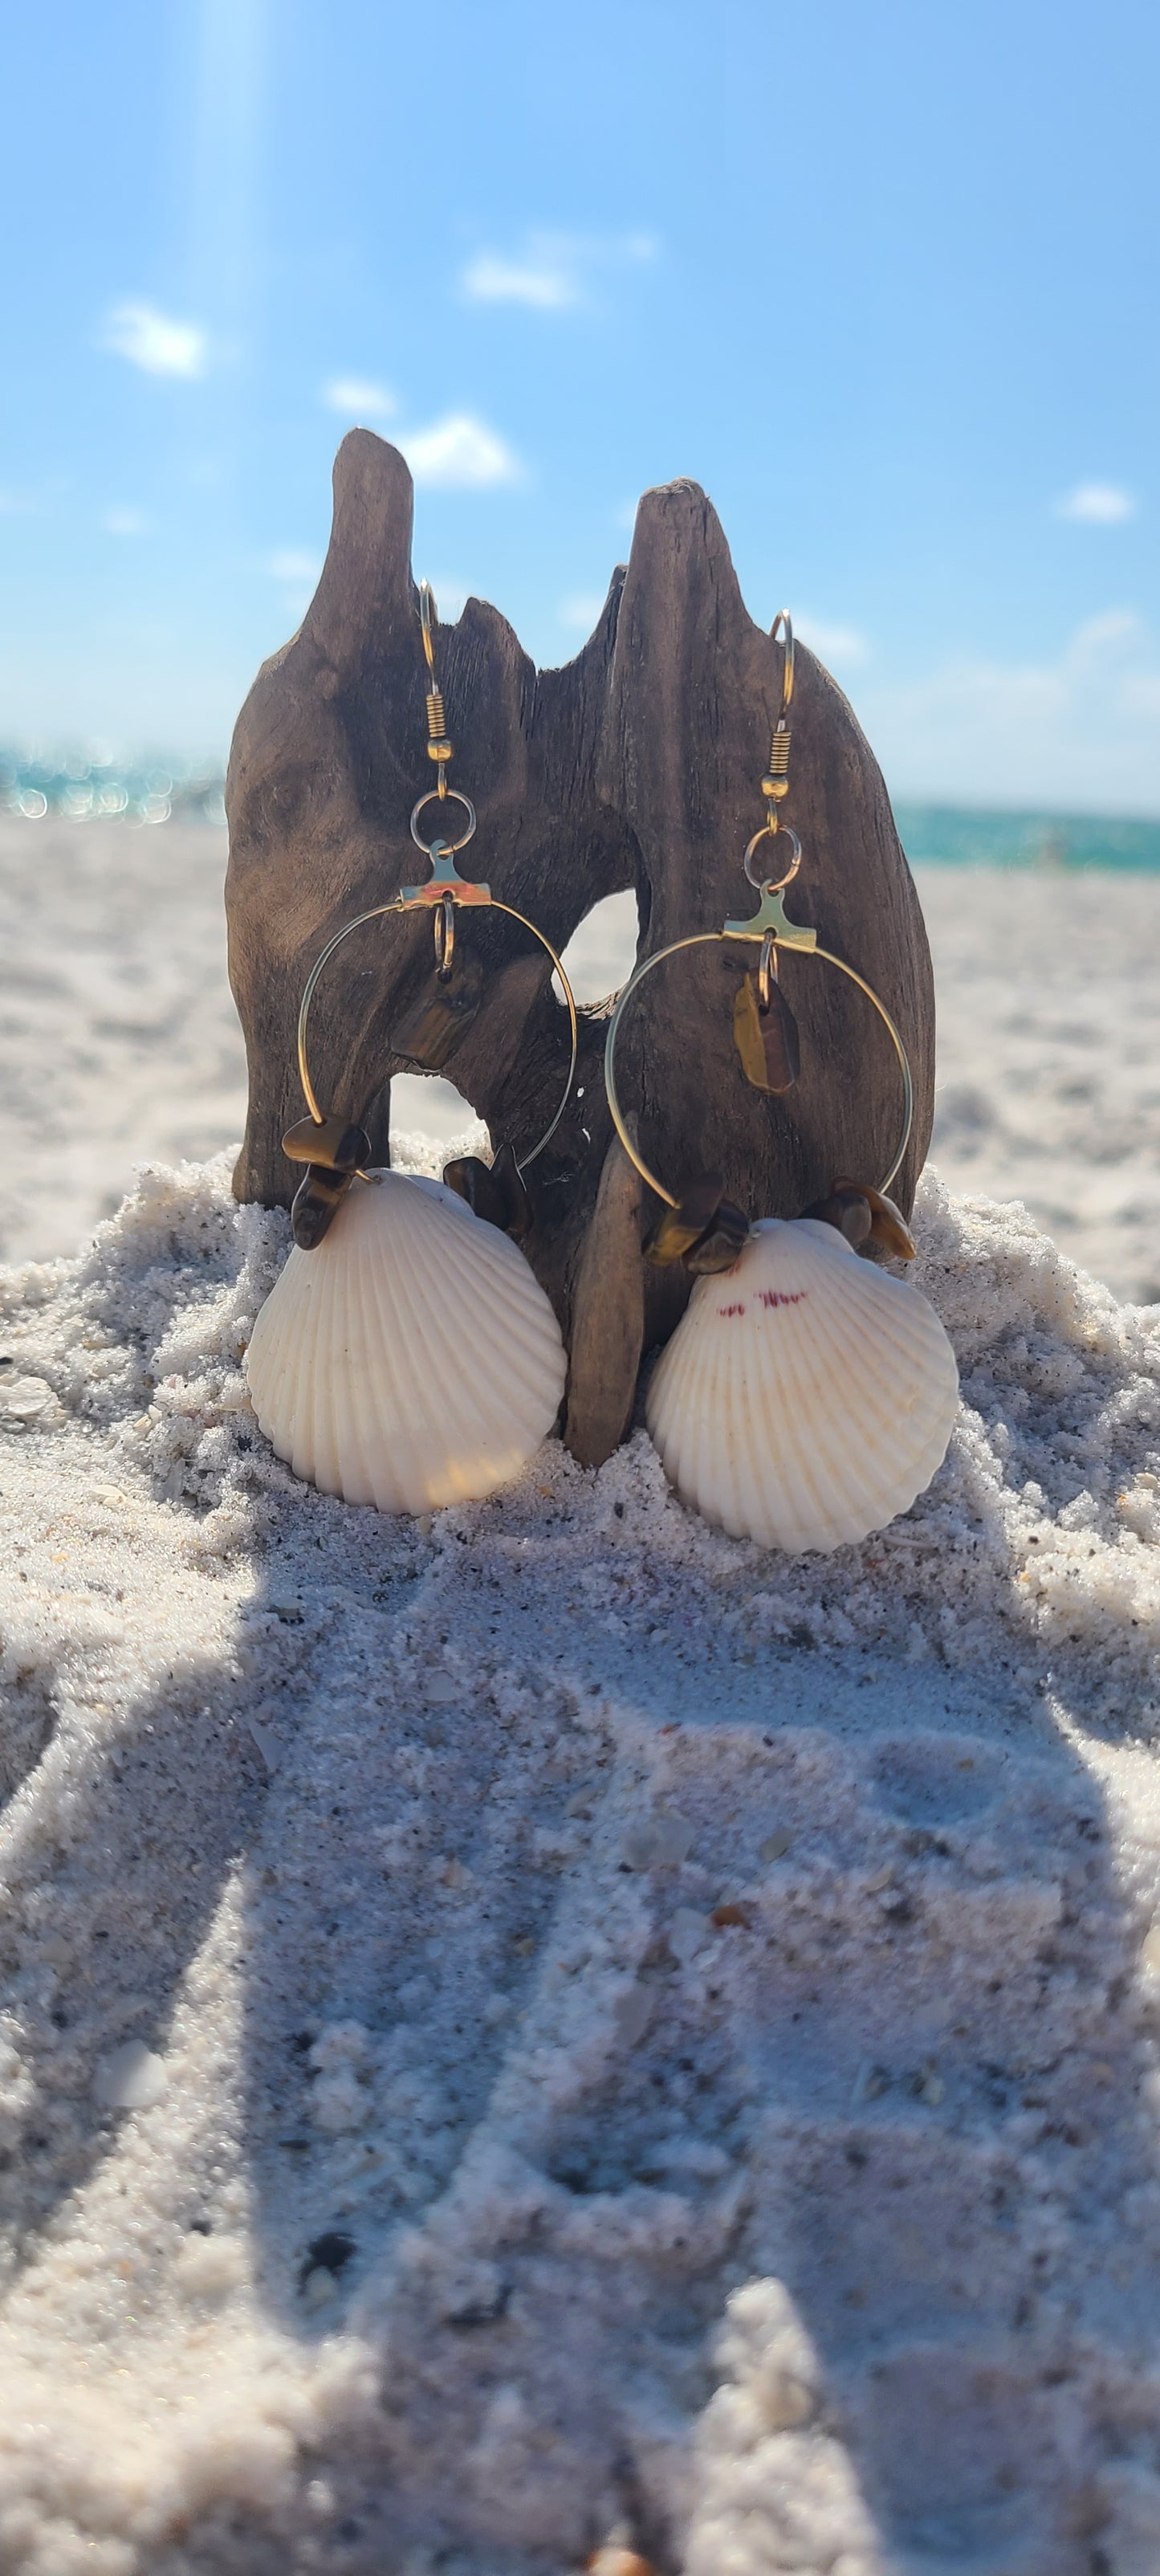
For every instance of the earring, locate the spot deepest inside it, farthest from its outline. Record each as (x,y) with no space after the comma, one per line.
(806,1397)
(407,1355)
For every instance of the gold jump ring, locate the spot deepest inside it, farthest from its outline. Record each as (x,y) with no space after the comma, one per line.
(444,920)
(773,832)
(432,797)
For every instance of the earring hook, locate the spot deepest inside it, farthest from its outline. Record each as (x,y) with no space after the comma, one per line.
(429,620)
(785,621)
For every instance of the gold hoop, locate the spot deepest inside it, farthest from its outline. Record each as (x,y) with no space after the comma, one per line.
(411,902)
(762,929)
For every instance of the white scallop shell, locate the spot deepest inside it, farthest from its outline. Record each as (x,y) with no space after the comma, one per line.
(412,1359)
(806,1397)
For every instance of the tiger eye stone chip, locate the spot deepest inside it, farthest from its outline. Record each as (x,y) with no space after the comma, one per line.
(333,1144)
(864,1215)
(494,1191)
(705,1231)
(316,1201)
(677,1229)
(766,1037)
(718,1248)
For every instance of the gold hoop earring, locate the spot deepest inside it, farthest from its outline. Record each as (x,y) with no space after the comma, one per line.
(407,1356)
(806,1397)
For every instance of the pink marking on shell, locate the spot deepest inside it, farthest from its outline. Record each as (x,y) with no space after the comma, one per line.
(782,1297)
(731,1310)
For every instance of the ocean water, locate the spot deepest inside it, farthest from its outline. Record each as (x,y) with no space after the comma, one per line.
(151,789)
(972,836)
(157,789)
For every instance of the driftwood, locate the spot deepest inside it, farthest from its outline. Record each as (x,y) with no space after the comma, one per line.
(634,766)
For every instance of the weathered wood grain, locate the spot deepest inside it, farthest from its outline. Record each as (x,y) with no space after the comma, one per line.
(634,766)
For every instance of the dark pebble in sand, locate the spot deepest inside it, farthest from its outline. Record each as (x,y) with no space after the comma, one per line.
(328,2253)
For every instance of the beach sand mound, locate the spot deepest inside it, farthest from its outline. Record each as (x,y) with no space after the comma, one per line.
(552,2023)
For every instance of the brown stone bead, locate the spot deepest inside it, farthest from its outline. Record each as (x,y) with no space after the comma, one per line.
(863,1215)
(677,1229)
(335,1144)
(719,1246)
(888,1226)
(320,1194)
(766,1039)
(430,1031)
(846,1210)
(494,1191)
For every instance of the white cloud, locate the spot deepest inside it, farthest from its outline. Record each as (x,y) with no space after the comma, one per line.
(488,279)
(581,610)
(154,342)
(459,454)
(293,564)
(834,645)
(125,523)
(357,395)
(551,272)
(1080,731)
(1101,505)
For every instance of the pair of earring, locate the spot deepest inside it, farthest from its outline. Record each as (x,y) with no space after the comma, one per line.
(407,1356)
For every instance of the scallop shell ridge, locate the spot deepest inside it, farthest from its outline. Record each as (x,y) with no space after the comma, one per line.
(412,1359)
(807,1397)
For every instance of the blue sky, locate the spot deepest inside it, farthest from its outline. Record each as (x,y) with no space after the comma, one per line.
(881,274)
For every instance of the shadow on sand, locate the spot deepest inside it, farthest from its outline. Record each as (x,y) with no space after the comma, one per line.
(519,2114)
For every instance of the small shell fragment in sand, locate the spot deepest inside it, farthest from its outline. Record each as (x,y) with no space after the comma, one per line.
(24,1400)
(660,1842)
(688,1932)
(774,1846)
(130,2078)
(284,1604)
(266,1741)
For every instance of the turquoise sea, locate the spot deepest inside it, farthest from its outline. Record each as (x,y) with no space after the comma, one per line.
(974,836)
(154,789)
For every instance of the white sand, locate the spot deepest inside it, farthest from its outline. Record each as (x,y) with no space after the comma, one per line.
(1049,1055)
(359,1886)
(119,1042)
